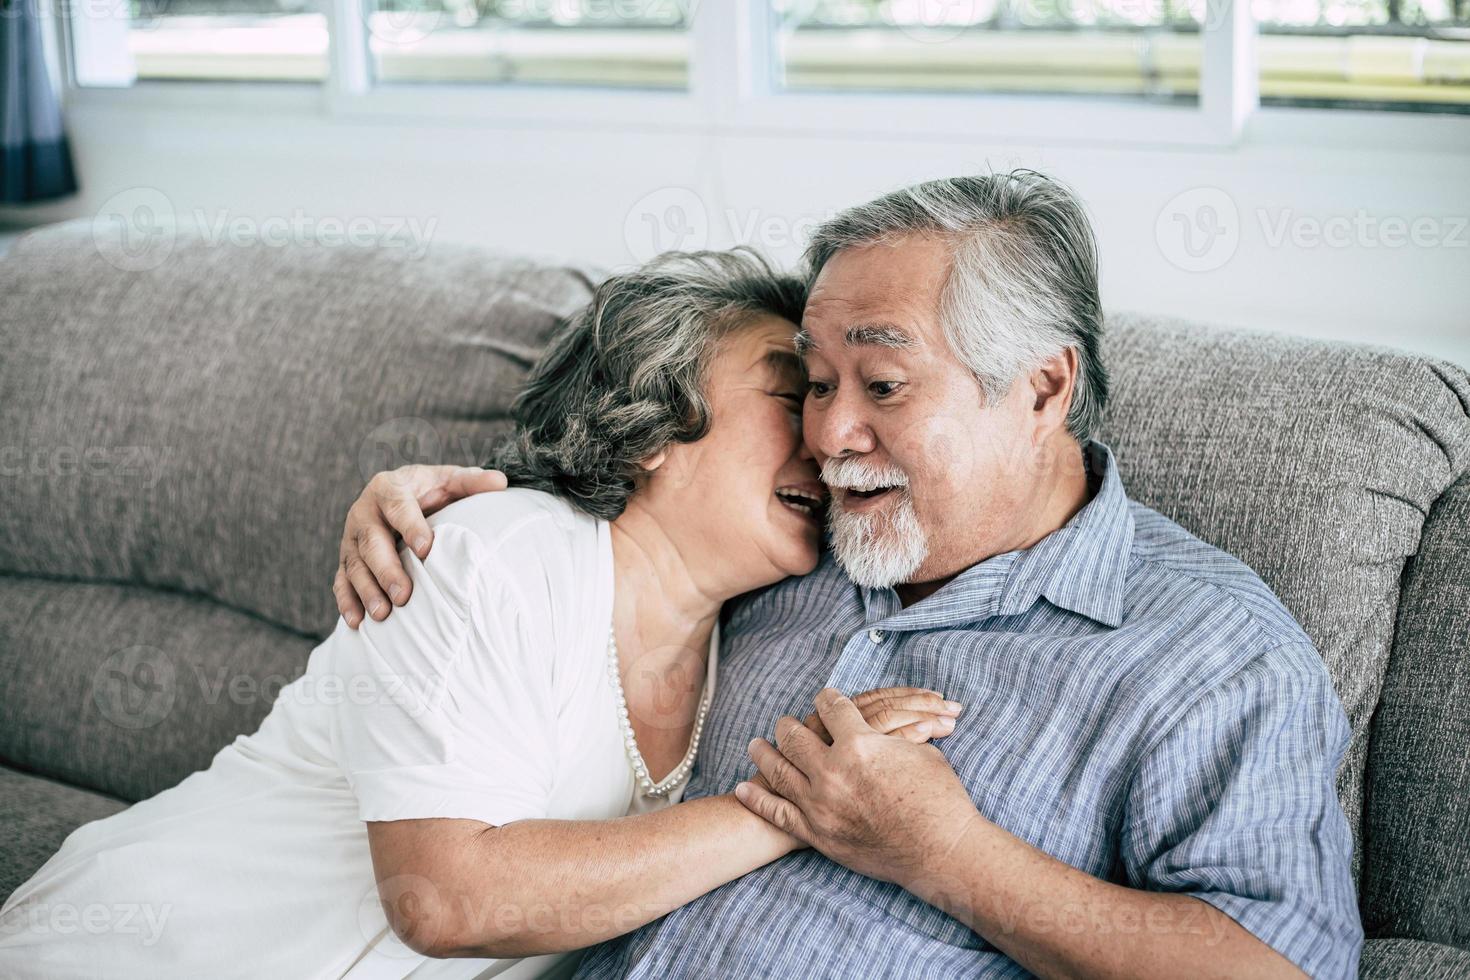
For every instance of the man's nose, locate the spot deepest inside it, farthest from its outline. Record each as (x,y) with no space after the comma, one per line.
(840,428)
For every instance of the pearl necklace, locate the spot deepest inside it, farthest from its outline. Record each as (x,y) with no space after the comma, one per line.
(635,758)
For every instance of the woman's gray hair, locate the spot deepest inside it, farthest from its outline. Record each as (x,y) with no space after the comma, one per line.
(625,377)
(1023,283)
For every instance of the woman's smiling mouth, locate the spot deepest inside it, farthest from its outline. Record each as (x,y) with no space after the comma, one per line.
(804,500)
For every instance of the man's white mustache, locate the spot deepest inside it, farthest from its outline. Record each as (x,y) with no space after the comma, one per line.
(851,473)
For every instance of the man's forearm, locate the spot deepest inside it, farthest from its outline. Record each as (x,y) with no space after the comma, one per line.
(1060,922)
(544,886)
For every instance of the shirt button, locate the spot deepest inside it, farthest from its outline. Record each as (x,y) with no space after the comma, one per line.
(875,635)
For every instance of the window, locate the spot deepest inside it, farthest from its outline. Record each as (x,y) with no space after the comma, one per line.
(1370,53)
(640,44)
(1378,53)
(626,43)
(783,54)
(258,40)
(1121,48)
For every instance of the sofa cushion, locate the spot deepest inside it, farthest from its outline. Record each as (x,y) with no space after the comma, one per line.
(1412,959)
(1313,462)
(203,423)
(128,689)
(1417,819)
(36,814)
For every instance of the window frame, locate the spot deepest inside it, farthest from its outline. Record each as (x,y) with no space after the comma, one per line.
(733,90)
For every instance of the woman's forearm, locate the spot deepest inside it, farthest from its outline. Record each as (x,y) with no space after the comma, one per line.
(544,886)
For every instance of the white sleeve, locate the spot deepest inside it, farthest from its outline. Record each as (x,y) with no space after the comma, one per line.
(447,707)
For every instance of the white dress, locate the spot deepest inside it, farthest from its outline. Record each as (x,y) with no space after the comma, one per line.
(486,697)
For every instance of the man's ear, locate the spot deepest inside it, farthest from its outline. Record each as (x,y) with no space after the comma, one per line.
(655,461)
(1053,383)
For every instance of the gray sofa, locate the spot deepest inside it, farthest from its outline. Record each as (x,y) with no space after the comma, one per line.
(183,430)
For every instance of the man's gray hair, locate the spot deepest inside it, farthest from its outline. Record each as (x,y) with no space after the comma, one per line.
(625,377)
(1023,282)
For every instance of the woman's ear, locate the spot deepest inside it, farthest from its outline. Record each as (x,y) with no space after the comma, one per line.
(655,461)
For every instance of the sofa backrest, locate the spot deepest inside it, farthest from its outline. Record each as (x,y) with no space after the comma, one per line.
(1313,462)
(181,429)
(202,423)
(1416,881)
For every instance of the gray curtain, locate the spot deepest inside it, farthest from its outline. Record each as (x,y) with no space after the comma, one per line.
(35,160)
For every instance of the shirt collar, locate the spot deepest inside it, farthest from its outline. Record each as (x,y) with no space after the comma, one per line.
(1082,566)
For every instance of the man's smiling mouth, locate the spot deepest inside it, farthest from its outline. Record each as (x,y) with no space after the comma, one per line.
(868,494)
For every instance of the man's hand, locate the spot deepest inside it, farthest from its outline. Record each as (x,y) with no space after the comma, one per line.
(894,809)
(888,808)
(393,505)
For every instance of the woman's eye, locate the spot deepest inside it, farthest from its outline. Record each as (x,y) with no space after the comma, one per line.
(819,388)
(795,398)
(882,389)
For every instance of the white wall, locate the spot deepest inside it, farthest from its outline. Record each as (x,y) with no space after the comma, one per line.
(589,193)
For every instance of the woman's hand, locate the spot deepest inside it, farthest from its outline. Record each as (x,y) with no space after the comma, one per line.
(393,505)
(913,713)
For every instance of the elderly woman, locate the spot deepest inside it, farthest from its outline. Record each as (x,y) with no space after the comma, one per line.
(489,773)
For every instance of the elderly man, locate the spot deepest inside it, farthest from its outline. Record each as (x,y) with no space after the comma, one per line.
(1141,783)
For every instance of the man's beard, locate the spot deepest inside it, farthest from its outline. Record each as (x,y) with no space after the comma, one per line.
(881,549)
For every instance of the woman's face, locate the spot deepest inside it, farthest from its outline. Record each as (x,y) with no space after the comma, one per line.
(749,491)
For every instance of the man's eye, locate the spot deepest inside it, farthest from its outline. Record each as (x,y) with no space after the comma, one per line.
(883,389)
(819,388)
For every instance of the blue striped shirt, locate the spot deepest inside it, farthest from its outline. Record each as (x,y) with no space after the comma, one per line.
(1138,704)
